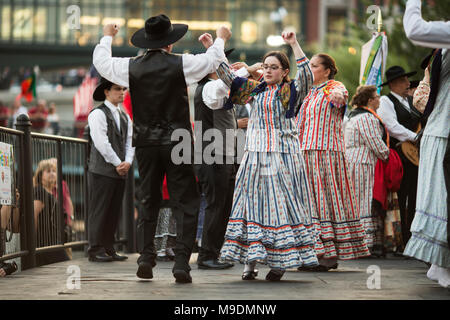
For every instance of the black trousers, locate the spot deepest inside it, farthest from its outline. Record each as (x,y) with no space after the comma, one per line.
(105,206)
(407,197)
(217,183)
(154,162)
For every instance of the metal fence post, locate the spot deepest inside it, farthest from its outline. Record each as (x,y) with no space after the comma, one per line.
(59,189)
(24,124)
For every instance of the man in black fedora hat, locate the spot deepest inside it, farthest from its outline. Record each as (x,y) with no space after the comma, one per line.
(402,120)
(158,82)
(111,155)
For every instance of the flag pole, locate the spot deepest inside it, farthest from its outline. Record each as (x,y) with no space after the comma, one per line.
(380,21)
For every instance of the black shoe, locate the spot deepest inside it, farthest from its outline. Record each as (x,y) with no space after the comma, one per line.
(214,264)
(145,270)
(100,257)
(274,276)
(117,257)
(250,275)
(319,268)
(182,276)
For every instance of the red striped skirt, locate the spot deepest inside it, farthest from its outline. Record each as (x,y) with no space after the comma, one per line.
(336,214)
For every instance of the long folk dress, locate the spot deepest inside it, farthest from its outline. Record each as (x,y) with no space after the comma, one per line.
(364,145)
(336,206)
(429,228)
(270,218)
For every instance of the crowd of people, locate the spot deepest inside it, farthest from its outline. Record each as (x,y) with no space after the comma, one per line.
(321,178)
(43,119)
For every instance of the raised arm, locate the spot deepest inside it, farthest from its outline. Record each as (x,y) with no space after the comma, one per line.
(112,69)
(196,67)
(433,34)
(304,77)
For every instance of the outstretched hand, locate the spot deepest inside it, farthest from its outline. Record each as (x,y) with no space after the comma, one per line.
(337,98)
(289,37)
(206,40)
(110,29)
(238,65)
(223,32)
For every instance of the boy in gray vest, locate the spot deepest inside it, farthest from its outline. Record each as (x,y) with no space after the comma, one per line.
(110,159)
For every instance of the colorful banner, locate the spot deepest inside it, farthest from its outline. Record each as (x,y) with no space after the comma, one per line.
(373,60)
(6,152)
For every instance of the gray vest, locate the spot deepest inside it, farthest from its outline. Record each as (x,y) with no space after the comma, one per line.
(117,139)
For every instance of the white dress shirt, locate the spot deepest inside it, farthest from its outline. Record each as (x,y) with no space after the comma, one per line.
(387,113)
(432,34)
(195,67)
(98,128)
(215,92)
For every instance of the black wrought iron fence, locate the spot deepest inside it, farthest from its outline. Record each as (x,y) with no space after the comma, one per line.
(49,175)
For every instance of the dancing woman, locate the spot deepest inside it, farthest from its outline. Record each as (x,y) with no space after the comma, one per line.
(322,144)
(270,217)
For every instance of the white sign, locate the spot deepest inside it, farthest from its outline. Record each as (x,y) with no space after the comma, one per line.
(5,173)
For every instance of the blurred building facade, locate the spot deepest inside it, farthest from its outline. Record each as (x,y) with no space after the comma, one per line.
(61,33)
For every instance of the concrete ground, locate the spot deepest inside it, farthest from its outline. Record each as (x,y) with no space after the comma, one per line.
(398,279)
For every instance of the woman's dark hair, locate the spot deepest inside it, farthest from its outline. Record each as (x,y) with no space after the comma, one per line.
(328,62)
(284,61)
(362,95)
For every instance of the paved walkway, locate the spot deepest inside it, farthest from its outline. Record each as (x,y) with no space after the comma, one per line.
(399,279)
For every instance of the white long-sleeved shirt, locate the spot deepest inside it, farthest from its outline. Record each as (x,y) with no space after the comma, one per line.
(387,113)
(215,92)
(433,34)
(195,67)
(98,129)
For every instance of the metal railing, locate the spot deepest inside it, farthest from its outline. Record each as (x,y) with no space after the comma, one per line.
(50,175)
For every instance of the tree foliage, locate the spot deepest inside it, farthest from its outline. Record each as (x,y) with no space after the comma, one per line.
(346,49)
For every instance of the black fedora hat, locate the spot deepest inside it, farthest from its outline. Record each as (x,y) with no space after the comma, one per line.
(158,32)
(228,52)
(396,72)
(426,61)
(99,92)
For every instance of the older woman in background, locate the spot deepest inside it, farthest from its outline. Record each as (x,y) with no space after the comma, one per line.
(366,140)
(322,145)
(47,220)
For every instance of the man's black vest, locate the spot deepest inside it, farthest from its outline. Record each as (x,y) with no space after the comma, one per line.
(159,98)
(410,120)
(116,138)
(202,113)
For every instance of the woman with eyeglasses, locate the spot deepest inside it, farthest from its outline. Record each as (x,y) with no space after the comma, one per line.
(270,217)
(322,143)
(366,141)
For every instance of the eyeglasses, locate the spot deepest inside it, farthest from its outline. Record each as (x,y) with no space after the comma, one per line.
(272,67)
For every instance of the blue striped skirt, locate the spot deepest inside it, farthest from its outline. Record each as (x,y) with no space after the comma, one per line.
(270,220)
